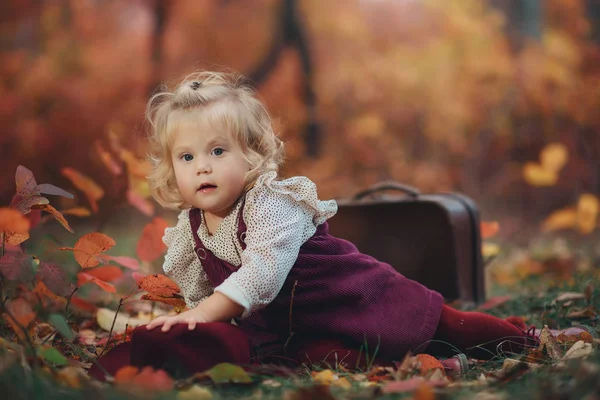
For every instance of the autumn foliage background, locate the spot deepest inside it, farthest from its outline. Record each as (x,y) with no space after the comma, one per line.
(490,99)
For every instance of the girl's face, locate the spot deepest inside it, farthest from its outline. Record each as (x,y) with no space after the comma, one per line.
(209,168)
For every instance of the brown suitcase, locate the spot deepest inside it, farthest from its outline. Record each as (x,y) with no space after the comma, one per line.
(434,239)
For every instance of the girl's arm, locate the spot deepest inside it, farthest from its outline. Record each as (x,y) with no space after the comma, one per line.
(217,307)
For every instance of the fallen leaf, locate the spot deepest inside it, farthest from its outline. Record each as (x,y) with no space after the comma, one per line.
(427,364)
(579,350)
(88,248)
(53,356)
(587,312)
(150,246)
(106,316)
(82,182)
(567,296)
(548,342)
(195,392)
(226,372)
(13,221)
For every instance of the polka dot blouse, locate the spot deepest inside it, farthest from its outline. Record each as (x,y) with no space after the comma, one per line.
(280,216)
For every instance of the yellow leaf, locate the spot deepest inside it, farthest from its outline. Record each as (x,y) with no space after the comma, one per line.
(325,377)
(490,250)
(553,157)
(587,213)
(560,219)
(195,392)
(536,175)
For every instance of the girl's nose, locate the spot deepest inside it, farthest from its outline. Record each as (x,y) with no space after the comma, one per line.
(203,167)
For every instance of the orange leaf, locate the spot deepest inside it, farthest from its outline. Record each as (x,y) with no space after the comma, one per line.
(57,215)
(22,312)
(13,221)
(78,212)
(107,159)
(150,246)
(15,239)
(159,285)
(126,374)
(428,363)
(83,278)
(82,182)
(44,293)
(560,219)
(147,379)
(88,248)
(106,273)
(177,302)
(82,304)
(489,229)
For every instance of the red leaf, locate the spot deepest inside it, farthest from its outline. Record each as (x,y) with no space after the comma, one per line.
(489,229)
(150,246)
(83,278)
(26,184)
(56,279)
(17,266)
(106,273)
(126,262)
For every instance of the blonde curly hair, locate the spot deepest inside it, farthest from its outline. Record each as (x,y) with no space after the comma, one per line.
(218,98)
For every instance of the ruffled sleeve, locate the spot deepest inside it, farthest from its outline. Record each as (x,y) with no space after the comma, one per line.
(181,263)
(280,217)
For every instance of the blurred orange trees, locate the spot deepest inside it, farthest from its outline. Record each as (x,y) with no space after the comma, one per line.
(426,92)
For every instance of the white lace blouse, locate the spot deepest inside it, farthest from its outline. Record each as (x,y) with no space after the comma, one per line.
(280,217)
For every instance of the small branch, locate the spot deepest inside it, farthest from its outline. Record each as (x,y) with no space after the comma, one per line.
(111,330)
(69,302)
(3,235)
(290,321)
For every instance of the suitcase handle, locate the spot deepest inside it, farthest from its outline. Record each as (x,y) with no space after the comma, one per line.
(390,185)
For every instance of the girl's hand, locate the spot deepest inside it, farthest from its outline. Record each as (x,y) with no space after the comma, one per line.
(191,317)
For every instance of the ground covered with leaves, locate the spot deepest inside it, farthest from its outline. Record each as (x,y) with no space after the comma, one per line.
(65,303)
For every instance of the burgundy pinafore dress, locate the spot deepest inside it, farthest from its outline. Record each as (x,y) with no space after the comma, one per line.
(334,291)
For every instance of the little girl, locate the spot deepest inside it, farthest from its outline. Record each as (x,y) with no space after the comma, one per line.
(254,248)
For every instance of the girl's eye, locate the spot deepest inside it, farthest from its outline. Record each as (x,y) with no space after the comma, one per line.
(218,151)
(187,157)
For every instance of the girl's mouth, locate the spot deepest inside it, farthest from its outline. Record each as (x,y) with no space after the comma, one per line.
(206,188)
